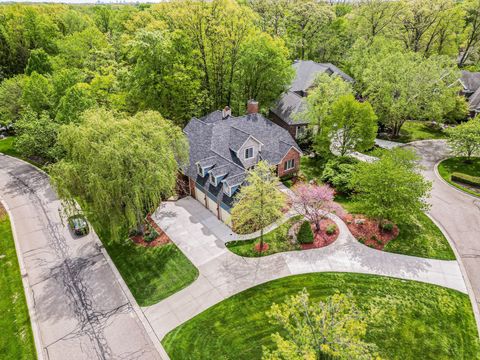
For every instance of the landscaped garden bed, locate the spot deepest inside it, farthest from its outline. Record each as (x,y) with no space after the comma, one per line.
(419,238)
(369,232)
(282,239)
(153,235)
(405,319)
(458,170)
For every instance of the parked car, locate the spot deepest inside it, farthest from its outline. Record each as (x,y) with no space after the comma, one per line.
(79,225)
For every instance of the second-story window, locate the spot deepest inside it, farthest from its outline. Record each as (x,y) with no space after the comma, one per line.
(249,153)
(289,164)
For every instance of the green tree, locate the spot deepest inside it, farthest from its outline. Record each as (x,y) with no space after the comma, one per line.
(402,85)
(391,188)
(464,139)
(11,99)
(120,167)
(36,136)
(259,203)
(472,30)
(330,329)
(76,100)
(264,72)
(376,17)
(351,126)
(38,93)
(38,61)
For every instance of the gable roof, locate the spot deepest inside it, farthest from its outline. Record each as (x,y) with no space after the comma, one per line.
(470,81)
(292,103)
(474,101)
(211,144)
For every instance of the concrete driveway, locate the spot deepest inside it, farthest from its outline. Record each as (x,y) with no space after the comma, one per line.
(457,212)
(79,308)
(201,237)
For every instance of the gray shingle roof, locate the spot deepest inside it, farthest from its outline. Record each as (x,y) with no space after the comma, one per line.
(291,104)
(210,142)
(470,81)
(474,101)
(307,71)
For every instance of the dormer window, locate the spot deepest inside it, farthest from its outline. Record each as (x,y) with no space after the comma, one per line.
(199,170)
(249,153)
(213,179)
(227,189)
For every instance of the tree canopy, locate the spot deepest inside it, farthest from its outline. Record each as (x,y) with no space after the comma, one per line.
(120,167)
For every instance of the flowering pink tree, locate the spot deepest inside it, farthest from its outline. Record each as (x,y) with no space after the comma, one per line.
(315,202)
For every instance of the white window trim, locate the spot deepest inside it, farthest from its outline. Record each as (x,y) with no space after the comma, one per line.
(227,189)
(245,153)
(200,170)
(286,163)
(213,179)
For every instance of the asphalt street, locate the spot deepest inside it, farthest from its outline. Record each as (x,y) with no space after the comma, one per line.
(81,311)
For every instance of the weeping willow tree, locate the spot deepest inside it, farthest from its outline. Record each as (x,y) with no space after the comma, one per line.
(119,167)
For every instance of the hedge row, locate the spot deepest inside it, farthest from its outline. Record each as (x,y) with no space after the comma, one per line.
(466,179)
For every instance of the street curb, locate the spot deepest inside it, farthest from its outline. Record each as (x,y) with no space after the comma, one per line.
(466,280)
(437,174)
(126,291)
(26,287)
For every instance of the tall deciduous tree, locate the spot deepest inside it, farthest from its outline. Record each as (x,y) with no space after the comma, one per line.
(464,139)
(391,188)
(121,167)
(351,126)
(333,328)
(38,61)
(402,85)
(11,91)
(472,10)
(259,203)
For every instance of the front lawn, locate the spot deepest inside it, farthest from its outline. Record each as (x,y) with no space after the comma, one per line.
(420,238)
(7,148)
(277,241)
(419,130)
(16,341)
(458,164)
(151,273)
(406,319)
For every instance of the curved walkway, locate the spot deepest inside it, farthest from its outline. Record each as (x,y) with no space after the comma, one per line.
(198,233)
(79,306)
(458,213)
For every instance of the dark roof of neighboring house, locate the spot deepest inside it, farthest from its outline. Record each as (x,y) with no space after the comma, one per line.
(474,101)
(307,71)
(470,81)
(214,141)
(291,104)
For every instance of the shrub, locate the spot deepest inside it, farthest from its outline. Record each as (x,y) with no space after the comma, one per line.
(331,229)
(150,234)
(338,172)
(466,179)
(388,226)
(305,234)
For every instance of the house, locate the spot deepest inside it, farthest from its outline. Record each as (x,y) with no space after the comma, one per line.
(471,90)
(224,147)
(288,109)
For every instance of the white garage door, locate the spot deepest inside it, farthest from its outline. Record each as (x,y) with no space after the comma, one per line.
(225,217)
(212,205)
(200,195)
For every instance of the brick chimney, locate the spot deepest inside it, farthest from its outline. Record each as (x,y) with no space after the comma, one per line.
(252,107)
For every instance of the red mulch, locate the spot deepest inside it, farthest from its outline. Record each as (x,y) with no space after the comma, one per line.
(322,239)
(161,239)
(264,248)
(369,232)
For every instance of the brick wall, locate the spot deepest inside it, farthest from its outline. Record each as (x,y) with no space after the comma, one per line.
(292,154)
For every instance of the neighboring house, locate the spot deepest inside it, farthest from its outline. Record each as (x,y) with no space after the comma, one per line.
(288,109)
(471,90)
(223,148)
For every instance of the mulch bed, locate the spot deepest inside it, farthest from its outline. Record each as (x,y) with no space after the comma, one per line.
(161,239)
(321,238)
(369,232)
(264,247)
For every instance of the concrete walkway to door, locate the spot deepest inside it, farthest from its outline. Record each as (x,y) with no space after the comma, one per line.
(199,235)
